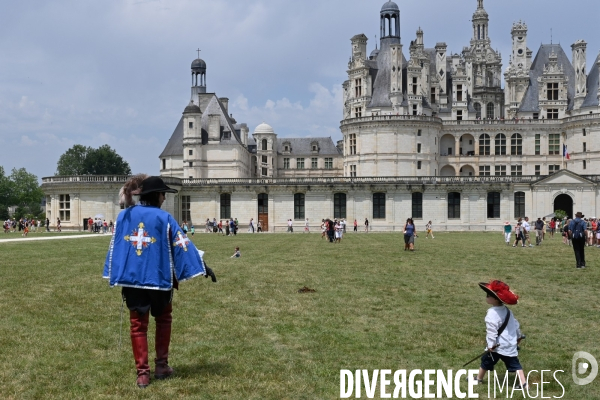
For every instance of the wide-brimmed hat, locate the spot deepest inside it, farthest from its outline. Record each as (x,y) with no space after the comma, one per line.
(501,291)
(579,214)
(155,184)
(506,223)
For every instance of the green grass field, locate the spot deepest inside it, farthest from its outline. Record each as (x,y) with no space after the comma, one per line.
(253,336)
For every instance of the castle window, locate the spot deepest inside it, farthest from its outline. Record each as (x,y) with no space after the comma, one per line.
(500,170)
(64,207)
(264,144)
(536,115)
(552,113)
(225,206)
(500,144)
(286,148)
(432,95)
(265,160)
(378,205)
(484,170)
(191,164)
(191,125)
(419,132)
(339,205)
(286,163)
(459,93)
(300,163)
(519,204)
(186,214)
(584,164)
(353,171)
(516,170)
(493,205)
(415,111)
(358,87)
(584,147)
(516,145)
(554,144)
(553,168)
(490,111)
(552,91)
(418,164)
(314,163)
(417,205)
(453,205)
(357,112)
(459,115)
(537,170)
(191,152)
(584,132)
(164,163)
(329,163)
(299,206)
(265,171)
(414,85)
(418,147)
(537,144)
(484,145)
(352,143)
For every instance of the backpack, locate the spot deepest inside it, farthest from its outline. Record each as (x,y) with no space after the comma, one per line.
(578,229)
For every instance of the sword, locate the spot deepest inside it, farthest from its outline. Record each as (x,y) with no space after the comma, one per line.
(481,355)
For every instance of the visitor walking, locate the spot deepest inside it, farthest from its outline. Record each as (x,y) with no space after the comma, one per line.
(539,231)
(409,235)
(366,225)
(429,229)
(578,232)
(507,232)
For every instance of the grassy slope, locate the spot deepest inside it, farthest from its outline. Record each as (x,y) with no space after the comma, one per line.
(253,336)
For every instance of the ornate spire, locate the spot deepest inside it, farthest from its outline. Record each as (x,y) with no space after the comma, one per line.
(479,3)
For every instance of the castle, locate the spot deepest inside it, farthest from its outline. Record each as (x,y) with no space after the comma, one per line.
(434,136)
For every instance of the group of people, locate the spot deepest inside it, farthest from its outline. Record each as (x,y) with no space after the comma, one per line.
(25,225)
(332,229)
(98,225)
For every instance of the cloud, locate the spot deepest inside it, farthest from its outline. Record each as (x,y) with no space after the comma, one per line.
(26,141)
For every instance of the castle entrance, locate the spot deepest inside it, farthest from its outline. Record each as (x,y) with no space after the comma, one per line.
(564,202)
(263,211)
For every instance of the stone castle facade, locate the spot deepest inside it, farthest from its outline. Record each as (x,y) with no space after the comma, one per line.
(433,136)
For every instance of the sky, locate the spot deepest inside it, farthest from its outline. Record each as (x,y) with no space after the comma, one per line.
(117,72)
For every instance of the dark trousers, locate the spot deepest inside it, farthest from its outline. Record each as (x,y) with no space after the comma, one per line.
(579,249)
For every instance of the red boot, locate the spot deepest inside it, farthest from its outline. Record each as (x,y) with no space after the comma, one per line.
(163,339)
(139,343)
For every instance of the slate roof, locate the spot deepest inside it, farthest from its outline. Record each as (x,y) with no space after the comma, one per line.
(591,99)
(301,146)
(530,101)
(381,84)
(209,104)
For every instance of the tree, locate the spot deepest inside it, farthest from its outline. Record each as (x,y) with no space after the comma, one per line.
(5,194)
(26,193)
(106,161)
(72,161)
(81,160)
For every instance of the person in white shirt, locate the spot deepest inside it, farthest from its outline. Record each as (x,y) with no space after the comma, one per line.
(527,228)
(503,332)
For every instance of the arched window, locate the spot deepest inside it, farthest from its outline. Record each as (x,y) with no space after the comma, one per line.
(500,144)
(493,205)
(490,111)
(378,205)
(299,206)
(339,205)
(417,205)
(477,107)
(453,205)
(519,204)
(225,206)
(484,145)
(264,144)
(516,145)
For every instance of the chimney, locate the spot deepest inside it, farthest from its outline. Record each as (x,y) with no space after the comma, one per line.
(214,128)
(225,102)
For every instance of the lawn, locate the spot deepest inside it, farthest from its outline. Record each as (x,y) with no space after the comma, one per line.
(253,336)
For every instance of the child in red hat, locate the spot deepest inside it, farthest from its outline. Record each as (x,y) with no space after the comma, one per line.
(503,333)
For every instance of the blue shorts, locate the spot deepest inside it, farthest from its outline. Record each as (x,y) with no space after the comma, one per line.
(489,360)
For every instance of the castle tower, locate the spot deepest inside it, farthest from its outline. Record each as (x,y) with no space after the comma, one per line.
(266,151)
(579,58)
(481,21)
(192,141)
(198,78)
(390,21)
(517,74)
(519,45)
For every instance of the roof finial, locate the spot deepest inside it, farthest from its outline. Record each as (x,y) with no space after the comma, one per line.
(198,52)
(375,42)
(480,4)
(550,35)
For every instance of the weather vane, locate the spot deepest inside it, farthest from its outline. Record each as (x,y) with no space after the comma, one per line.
(198,52)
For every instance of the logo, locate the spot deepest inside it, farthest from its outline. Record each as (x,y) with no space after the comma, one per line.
(582,367)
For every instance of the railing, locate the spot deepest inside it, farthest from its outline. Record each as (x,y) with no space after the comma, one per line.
(391,118)
(505,122)
(407,180)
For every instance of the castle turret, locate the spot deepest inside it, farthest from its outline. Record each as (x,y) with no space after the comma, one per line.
(579,58)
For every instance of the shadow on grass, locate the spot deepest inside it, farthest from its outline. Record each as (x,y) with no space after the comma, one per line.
(202,369)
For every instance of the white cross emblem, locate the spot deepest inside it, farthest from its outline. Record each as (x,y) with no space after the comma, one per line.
(140,239)
(182,241)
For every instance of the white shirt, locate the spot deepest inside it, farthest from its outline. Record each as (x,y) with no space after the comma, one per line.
(508,340)
(526,226)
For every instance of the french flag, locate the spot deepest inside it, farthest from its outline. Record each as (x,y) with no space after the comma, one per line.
(566,152)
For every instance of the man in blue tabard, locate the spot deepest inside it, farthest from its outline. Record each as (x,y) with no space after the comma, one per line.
(149,255)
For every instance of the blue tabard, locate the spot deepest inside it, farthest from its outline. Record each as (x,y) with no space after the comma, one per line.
(148,250)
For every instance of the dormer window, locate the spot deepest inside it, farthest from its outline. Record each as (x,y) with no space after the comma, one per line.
(314,147)
(287,147)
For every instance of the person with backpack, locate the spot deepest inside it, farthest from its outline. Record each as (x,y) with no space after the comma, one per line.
(578,234)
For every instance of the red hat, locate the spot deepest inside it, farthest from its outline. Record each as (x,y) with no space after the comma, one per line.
(500,291)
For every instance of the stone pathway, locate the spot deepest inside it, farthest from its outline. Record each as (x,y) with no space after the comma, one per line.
(26,239)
